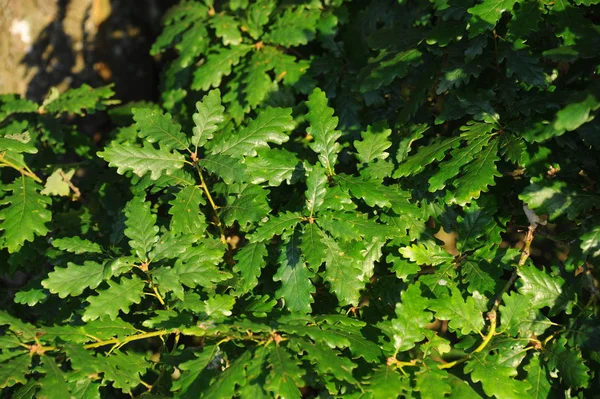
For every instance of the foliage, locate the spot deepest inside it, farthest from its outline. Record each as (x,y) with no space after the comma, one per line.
(333,199)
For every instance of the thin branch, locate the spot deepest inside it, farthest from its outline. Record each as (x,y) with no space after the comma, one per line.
(73,187)
(524,256)
(126,340)
(214,206)
(24,171)
(160,298)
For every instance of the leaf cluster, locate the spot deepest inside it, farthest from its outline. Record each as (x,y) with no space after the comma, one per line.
(332,199)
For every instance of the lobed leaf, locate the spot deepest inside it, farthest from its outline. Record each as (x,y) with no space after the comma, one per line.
(141,160)
(24,214)
(322,129)
(118,297)
(269,127)
(157,127)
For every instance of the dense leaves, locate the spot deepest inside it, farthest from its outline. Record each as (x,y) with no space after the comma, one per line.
(332,199)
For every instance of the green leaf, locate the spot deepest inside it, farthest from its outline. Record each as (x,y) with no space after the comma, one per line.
(286,376)
(296,287)
(386,383)
(12,104)
(250,261)
(227,168)
(569,363)
(78,100)
(326,361)
(342,273)
(276,225)
(313,249)
(185,211)
(590,242)
(125,369)
(31,297)
(374,143)
(526,18)
(371,191)
(14,370)
(408,327)
(20,144)
(105,328)
(76,245)
(515,309)
(167,280)
(386,67)
(496,379)
(294,27)
(28,390)
(556,198)
(477,176)
(353,339)
(257,81)
(141,160)
(316,188)
(273,166)
(477,135)
(24,214)
(426,155)
(463,316)
(522,65)
(426,254)
(224,386)
(247,207)
(485,16)
(475,225)
(227,28)
(433,383)
(189,385)
(217,66)
(156,127)
(119,296)
(219,306)
(74,279)
(208,115)
(200,268)
(538,377)
(257,16)
(53,384)
(479,275)
(141,228)
(58,183)
(193,43)
(541,288)
(269,127)
(322,129)
(576,114)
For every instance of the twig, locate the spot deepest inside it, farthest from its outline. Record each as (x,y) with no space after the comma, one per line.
(24,171)
(126,340)
(524,256)
(76,192)
(214,206)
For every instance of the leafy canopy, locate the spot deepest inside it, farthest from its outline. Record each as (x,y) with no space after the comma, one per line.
(330,199)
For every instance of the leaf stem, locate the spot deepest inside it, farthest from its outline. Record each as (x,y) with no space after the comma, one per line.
(524,256)
(214,206)
(73,187)
(488,337)
(492,317)
(160,298)
(25,171)
(128,339)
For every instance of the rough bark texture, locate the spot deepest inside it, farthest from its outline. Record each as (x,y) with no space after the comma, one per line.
(65,43)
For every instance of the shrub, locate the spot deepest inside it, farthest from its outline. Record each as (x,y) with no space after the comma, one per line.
(332,199)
